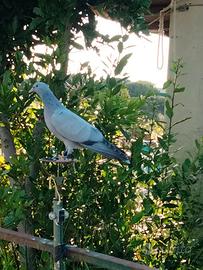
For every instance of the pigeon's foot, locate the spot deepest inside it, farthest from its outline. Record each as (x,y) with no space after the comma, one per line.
(63,158)
(67,155)
(70,156)
(58,159)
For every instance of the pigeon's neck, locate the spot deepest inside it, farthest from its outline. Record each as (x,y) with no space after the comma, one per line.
(50,100)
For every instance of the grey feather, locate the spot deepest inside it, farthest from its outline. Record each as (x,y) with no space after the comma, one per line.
(73,130)
(107,149)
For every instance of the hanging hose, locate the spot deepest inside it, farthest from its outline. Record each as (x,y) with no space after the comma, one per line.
(160,49)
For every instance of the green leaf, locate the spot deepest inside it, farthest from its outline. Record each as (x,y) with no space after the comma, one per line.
(120,47)
(6,77)
(85,64)
(170,205)
(167,84)
(15,24)
(112,82)
(169,110)
(122,63)
(148,206)
(115,38)
(116,89)
(181,121)
(136,242)
(125,38)
(136,218)
(126,134)
(174,67)
(35,22)
(77,45)
(179,89)
(38,11)
(198,145)
(186,165)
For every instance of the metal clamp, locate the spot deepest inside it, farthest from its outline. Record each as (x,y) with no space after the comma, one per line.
(59,216)
(60,252)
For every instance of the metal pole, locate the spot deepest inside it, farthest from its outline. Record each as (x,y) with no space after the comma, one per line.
(58,233)
(58,216)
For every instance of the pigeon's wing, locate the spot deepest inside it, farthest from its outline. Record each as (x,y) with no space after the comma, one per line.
(72,127)
(107,149)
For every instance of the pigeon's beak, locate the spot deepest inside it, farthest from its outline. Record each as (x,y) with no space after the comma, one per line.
(32,90)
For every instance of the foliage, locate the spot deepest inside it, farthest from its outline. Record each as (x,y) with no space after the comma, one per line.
(142,88)
(157,98)
(28,23)
(142,212)
(163,224)
(135,212)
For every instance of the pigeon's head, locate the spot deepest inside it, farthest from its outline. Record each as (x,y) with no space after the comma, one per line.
(40,88)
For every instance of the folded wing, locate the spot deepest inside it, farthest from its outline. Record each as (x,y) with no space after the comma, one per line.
(107,149)
(72,127)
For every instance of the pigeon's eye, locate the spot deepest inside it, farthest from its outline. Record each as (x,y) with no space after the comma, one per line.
(37,85)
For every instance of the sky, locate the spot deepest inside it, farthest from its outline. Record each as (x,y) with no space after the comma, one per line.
(142,65)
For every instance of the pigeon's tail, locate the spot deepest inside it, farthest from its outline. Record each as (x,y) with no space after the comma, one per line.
(108,150)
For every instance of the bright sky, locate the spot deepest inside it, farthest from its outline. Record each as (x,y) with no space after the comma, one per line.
(141,66)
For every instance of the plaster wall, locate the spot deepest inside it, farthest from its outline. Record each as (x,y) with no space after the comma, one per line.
(186,42)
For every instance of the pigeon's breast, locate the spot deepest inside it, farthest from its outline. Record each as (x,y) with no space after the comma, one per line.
(51,128)
(49,125)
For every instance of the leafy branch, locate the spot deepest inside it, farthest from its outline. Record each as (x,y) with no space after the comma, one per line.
(175,88)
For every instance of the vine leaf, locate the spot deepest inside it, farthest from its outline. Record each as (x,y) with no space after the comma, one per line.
(122,63)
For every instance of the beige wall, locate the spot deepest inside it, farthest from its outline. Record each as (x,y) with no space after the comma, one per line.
(188,44)
(187,29)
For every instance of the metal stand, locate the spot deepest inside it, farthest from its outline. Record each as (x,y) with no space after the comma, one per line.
(58,216)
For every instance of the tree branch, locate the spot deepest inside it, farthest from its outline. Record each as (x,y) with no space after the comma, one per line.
(7,144)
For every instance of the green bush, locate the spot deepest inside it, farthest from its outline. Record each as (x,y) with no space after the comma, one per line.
(147,212)
(144,212)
